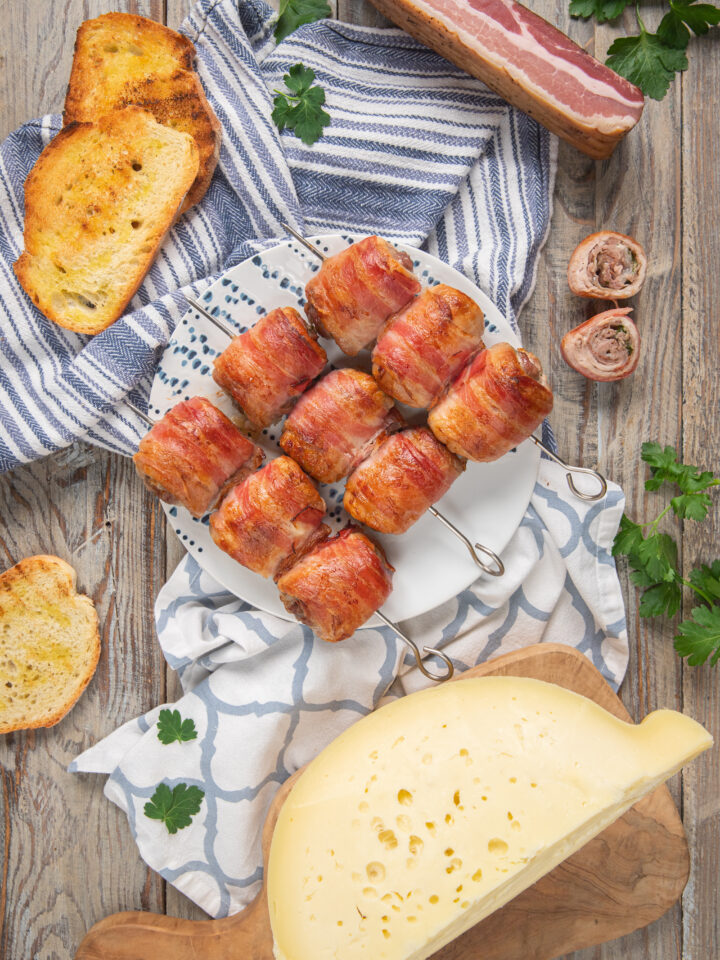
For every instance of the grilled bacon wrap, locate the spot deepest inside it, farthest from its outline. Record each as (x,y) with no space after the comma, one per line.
(337,585)
(495,404)
(607,266)
(269,519)
(266,368)
(402,477)
(421,348)
(605,347)
(355,291)
(194,454)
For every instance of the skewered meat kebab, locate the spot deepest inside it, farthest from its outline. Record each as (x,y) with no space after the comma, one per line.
(193,455)
(546,450)
(354,292)
(336,425)
(266,368)
(422,348)
(168,470)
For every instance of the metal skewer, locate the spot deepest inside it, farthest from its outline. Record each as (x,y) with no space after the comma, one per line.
(220,324)
(495,568)
(438,678)
(584,470)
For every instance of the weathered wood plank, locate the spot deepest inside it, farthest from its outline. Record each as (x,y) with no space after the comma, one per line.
(68,857)
(701,442)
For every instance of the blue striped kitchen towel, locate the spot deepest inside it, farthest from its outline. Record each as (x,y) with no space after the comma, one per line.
(417,151)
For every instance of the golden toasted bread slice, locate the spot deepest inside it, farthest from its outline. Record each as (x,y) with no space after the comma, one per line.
(122,59)
(49,643)
(98,204)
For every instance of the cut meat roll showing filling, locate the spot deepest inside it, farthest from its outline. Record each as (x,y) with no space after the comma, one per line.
(337,585)
(194,454)
(495,403)
(605,347)
(267,521)
(607,266)
(426,344)
(355,291)
(335,425)
(266,368)
(404,476)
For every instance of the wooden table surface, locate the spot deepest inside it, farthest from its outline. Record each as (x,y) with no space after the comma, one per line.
(67,855)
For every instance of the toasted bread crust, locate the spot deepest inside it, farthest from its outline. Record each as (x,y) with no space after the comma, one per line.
(98,204)
(38,596)
(121,59)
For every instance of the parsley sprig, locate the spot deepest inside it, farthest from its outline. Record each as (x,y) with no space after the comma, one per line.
(171,727)
(652,555)
(294,13)
(299,108)
(175,807)
(651,60)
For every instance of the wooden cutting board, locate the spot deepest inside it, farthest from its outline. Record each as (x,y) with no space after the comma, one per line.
(625,878)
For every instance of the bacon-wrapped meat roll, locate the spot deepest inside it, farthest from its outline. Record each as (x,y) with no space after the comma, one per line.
(354,292)
(269,519)
(426,344)
(337,585)
(607,266)
(495,403)
(194,454)
(400,479)
(334,426)
(605,347)
(268,366)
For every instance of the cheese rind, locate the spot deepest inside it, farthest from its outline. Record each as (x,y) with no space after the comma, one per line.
(431,813)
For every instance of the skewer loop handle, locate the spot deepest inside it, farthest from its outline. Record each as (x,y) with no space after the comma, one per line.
(495,568)
(571,470)
(437,677)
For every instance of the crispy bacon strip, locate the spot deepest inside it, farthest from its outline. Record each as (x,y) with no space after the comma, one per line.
(194,454)
(605,347)
(404,476)
(421,348)
(269,519)
(268,366)
(607,266)
(495,403)
(338,584)
(335,424)
(355,291)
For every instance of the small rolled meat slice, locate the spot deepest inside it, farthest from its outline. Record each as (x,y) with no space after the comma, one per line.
(607,266)
(337,585)
(269,519)
(426,344)
(337,422)
(400,479)
(355,291)
(605,347)
(194,454)
(266,368)
(495,404)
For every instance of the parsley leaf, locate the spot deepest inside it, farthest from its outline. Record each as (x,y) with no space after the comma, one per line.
(691,506)
(658,554)
(172,727)
(628,538)
(175,807)
(699,17)
(603,10)
(647,61)
(665,468)
(706,580)
(294,13)
(661,598)
(699,637)
(301,109)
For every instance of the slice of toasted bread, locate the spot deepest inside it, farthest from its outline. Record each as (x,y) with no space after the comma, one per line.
(49,643)
(122,59)
(98,204)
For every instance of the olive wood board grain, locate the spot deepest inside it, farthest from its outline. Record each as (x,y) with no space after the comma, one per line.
(624,879)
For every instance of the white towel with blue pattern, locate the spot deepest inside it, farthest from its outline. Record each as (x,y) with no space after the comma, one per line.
(419,152)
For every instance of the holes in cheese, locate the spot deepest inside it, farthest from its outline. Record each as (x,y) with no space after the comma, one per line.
(438,847)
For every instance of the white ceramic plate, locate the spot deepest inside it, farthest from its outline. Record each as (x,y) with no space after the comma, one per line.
(431,566)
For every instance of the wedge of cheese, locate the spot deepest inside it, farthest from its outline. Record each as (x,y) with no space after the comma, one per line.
(429,814)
